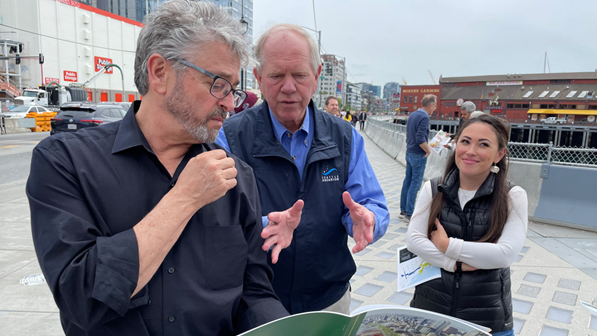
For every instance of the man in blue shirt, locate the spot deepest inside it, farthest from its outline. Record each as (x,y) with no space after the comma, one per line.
(417,151)
(305,159)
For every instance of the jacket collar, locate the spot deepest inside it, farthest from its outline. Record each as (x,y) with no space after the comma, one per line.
(266,143)
(451,183)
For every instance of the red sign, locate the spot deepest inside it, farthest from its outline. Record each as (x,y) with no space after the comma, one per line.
(70,76)
(48,80)
(70,2)
(101,62)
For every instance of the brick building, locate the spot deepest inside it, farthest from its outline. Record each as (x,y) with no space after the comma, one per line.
(412,95)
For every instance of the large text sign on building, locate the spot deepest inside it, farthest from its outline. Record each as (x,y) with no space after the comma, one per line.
(420,90)
(504,83)
(101,62)
(70,76)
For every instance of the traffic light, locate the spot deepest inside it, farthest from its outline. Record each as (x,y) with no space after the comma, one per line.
(18,59)
(41,58)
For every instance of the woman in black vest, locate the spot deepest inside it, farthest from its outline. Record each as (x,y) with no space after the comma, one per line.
(472,223)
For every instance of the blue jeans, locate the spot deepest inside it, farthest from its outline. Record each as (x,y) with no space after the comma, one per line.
(504,333)
(415,167)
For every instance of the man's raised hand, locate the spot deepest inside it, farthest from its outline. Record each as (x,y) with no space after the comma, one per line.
(363,223)
(280,228)
(206,178)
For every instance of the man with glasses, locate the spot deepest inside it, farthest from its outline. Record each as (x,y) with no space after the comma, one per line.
(417,151)
(144,227)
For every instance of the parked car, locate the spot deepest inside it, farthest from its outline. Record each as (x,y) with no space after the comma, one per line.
(21,111)
(553,120)
(124,105)
(74,116)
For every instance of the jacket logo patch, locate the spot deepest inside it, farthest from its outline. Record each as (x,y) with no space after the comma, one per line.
(330,175)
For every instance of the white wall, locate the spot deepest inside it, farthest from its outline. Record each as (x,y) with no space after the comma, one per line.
(70,37)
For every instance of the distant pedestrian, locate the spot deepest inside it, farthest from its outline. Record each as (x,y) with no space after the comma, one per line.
(354,119)
(362,119)
(472,223)
(417,151)
(331,106)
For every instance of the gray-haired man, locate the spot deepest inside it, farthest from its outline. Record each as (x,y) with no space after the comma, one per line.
(143,227)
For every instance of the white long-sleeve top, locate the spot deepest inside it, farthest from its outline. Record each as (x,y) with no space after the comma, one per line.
(477,254)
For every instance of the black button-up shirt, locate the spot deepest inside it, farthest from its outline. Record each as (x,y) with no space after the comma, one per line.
(86,192)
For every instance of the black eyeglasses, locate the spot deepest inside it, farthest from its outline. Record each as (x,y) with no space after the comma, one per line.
(221,87)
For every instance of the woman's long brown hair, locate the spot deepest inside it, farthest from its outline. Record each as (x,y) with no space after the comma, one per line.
(499,202)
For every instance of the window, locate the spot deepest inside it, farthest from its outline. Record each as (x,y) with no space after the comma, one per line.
(517,105)
(551,106)
(405,99)
(592,107)
(583,94)
(510,106)
(410,99)
(528,94)
(544,106)
(571,94)
(553,94)
(543,94)
(416,99)
(525,105)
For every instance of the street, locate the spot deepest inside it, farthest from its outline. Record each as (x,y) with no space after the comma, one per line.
(15,156)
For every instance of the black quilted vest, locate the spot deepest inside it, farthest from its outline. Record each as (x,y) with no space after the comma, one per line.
(482,296)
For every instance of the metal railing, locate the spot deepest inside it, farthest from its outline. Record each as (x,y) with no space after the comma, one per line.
(529,152)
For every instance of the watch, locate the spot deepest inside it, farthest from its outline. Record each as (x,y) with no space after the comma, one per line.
(459,266)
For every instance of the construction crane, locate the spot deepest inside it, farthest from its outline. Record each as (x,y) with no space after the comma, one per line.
(433,79)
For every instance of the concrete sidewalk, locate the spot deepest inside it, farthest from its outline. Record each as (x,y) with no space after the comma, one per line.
(556,269)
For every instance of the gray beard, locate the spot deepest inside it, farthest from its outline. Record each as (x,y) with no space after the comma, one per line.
(182,111)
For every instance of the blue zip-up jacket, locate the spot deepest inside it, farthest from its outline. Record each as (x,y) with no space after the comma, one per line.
(417,131)
(314,271)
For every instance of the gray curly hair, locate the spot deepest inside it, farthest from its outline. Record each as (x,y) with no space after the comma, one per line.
(179,29)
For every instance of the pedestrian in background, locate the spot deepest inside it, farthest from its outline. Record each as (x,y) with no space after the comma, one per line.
(362,119)
(472,223)
(331,106)
(144,226)
(417,151)
(299,153)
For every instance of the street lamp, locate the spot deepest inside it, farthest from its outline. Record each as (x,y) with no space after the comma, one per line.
(319,51)
(245,25)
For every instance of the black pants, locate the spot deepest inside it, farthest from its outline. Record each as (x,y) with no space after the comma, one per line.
(362,122)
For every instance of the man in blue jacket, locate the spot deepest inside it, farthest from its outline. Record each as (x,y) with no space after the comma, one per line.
(305,159)
(417,151)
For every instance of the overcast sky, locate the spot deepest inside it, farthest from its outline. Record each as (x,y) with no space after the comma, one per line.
(386,40)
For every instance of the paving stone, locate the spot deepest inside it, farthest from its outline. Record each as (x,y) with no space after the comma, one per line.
(395,247)
(518,324)
(518,258)
(354,304)
(593,323)
(401,230)
(395,221)
(362,270)
(521,306)
(400,298)
(387,276)
(390,236)
(565,298)
(385,255)
(524,249)
(559,314)
(363,252)
(551,331)
(569,284)
(535,277)
(530,291)
(368,289)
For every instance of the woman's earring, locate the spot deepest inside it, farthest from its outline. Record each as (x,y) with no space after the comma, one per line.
(494,169)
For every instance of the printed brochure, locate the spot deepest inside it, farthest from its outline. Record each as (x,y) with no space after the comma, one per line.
(369,321)
(439,140)
(413,270)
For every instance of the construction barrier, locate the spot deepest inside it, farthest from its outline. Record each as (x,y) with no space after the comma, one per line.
(42,121)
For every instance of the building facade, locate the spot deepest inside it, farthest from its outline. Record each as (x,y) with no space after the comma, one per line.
(525,97)
(332,80)
(76,40)
(412,95)
(353,97)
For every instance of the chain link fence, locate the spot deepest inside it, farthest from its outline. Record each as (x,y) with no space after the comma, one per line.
(530,152)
